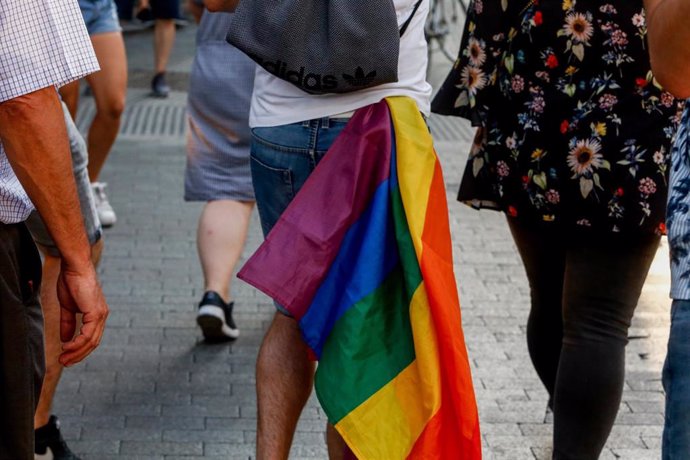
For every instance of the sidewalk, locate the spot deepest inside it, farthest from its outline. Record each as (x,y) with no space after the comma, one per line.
(154,390)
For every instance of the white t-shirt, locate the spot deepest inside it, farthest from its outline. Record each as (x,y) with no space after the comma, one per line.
(276,102)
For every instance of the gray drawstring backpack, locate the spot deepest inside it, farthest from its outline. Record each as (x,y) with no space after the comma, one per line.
(321,46)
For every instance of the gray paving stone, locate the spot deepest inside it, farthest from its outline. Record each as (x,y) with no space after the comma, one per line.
(207,435)
(165,423)
(228,450)
(199,410)
(122,434)
(161,448)
(636,454)
(96,448)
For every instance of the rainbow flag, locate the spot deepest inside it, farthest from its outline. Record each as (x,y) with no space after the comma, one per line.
(366,269)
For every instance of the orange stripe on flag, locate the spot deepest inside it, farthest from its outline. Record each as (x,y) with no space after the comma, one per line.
(453,433)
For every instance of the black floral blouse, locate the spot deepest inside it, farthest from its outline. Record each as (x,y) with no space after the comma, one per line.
(573,126)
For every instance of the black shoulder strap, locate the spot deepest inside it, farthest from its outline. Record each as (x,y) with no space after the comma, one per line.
(407,23)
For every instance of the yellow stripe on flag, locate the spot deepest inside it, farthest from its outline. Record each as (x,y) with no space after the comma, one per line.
(387,425)
(416,161)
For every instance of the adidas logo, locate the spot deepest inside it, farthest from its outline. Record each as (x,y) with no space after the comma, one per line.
(313,81)
(360,79)
(308,81)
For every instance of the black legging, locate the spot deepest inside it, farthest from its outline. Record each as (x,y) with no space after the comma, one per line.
(584,289)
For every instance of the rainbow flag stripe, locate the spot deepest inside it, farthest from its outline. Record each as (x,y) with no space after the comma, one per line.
(366,268)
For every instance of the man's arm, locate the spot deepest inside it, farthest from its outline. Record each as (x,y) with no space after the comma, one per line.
(221,5)
(33,133)
(669,43)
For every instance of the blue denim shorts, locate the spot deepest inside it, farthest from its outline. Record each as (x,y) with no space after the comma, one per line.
(100,16)
(281,158)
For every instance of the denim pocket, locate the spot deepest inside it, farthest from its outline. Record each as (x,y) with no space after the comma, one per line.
(273,189)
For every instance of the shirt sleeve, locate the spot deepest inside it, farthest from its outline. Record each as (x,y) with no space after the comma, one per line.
(42,43)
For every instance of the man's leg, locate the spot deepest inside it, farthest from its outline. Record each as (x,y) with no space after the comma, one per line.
(284,378)
(53,345)
(284,372)
(220,239)
(70,96)
(337,447)
(21,341)
(676,440)
(48,435)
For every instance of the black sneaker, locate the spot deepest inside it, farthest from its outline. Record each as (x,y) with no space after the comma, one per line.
(49,443)
(159,87)
(145,15)
(215,318)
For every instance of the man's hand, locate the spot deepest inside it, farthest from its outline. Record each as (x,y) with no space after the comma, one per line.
(79,292)
(221,5)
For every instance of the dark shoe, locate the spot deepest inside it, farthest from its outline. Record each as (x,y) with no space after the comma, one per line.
(49,443)
(159,87)
(215,318)
(145,15)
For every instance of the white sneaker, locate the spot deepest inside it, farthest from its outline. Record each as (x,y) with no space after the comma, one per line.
(106,214)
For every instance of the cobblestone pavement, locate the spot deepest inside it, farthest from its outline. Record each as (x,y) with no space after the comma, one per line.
(154,390)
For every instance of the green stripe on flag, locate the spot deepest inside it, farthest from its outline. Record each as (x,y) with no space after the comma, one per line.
(372,342)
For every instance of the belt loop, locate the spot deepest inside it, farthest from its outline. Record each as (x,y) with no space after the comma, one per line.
(306,123)
(326,122)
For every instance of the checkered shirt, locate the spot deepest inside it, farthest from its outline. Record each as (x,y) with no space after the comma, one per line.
(42,43)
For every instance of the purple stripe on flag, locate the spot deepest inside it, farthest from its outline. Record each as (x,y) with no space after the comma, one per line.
(298,252)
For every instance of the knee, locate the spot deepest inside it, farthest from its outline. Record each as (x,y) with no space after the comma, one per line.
(113,107)
(283,344)
(595,327)
(165,23)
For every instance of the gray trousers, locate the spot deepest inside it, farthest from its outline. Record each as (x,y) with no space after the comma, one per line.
(22,357)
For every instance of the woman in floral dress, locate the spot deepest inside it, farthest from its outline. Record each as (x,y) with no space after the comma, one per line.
(573,142)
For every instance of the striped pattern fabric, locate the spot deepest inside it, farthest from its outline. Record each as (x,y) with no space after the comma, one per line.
(678,211)
(367,271)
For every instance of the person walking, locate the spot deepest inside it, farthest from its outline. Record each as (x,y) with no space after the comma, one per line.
(42,45)
(669,45)
(291,132)
(217,170)
(573,144)
(48,437)
(109,89)
(163,13)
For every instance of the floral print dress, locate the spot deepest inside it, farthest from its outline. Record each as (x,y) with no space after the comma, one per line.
(574,129)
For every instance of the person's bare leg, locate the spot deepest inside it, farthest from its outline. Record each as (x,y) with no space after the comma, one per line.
(163,41)
(51,322)
(337,448)
(220,239)
(70,96)
(51,334)
(284,378)
(109,88)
